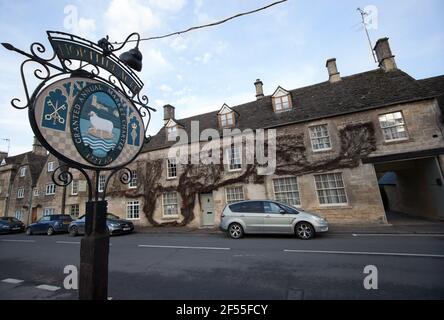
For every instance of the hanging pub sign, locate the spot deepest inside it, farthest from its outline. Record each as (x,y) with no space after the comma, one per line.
(87,110)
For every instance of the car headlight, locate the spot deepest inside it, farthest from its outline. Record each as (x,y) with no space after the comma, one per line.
(319,219)
(5,227)
(114,225)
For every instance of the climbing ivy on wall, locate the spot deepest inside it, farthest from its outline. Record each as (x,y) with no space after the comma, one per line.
(356,141)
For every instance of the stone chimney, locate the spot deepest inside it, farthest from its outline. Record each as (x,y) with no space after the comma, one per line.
(168,113)
(333,73)
(37,148)
(259,89)
(385,57)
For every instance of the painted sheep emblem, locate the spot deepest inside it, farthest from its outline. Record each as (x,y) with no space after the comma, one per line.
(100,124)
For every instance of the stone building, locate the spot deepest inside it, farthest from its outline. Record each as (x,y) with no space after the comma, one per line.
(18,178)
(334,141)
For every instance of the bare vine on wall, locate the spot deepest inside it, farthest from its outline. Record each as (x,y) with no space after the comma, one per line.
(356,141)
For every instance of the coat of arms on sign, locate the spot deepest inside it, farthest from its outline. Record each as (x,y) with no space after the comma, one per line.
(55,111)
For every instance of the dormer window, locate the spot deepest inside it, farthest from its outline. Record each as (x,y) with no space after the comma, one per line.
(171,130)
(226,117)
(281,100)
(226,120)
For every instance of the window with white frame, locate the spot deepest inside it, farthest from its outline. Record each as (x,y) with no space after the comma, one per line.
(320,139)
(132,209)
(282,103)
(22,171)
(172,132)
(170,205)
(75,187)
(50,189)
(330,188)
(226,120)
(234,194)
(102,180)
(48,211)
(74,210)
(18,214)
(393,126)
(20,193)
(36,192)
(234,158)
(171,168)
(286,190)
(50,166)
(133,182)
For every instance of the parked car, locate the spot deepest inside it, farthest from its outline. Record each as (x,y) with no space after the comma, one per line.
(50,224)
(11,224)
(114,223)
(266,216)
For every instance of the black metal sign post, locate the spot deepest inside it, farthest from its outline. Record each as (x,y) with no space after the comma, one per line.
(88,112)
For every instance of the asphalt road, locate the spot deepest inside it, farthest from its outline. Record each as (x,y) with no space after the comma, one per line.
(211,266)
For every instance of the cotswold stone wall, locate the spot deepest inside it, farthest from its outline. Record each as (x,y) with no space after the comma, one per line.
(364,200)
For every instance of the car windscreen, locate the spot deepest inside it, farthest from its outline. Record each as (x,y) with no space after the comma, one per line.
(112,216)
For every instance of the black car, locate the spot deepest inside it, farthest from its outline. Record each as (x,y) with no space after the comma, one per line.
(50,224)
(114,223)
(11,224)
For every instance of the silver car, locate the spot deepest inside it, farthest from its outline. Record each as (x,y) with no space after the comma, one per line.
(266,216)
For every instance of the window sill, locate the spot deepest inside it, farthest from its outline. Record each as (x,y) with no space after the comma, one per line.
(171,178)
(132,187)
(132,219)
(335,206)
(395,141)
(234,170)
(322,150)
(171,217)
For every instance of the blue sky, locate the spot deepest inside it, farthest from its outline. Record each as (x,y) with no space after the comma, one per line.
(197,72)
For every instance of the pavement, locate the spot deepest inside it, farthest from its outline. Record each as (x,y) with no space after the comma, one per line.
(398,223)
(200,266)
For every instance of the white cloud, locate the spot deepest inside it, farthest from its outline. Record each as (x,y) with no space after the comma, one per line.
(204,59)
(179,44)
(165,88)
(126,16)
(202,17)
(154,62)
(168,5)
(86,28)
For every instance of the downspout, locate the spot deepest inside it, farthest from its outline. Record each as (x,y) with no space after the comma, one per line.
(31,193)
(11,182)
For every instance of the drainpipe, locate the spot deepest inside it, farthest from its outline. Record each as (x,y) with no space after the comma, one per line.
(9,195)
(31,193)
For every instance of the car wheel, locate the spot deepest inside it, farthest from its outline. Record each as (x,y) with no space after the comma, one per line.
(73,231)
(235,231)
(50,231)
(29,231)
(304,230)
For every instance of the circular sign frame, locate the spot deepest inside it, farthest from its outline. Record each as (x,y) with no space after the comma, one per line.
(87,123)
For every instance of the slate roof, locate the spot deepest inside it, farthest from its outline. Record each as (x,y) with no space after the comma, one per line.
(36,164)
(436,84)
(363,91)
(15,159)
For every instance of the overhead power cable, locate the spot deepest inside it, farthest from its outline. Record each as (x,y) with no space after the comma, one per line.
(209,24)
